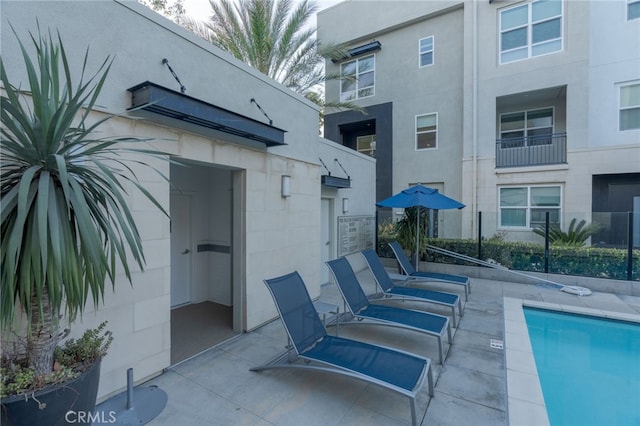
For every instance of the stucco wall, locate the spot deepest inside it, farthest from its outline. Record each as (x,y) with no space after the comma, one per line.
(338,21)
(412,90)
(614,52)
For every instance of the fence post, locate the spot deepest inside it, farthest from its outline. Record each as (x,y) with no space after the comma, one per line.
(546,242)
(630,246)
(480,235)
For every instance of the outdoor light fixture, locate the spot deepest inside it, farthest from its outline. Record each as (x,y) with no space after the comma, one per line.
(285,188)
(345,205)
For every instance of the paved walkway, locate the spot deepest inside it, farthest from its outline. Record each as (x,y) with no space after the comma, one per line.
(217,388)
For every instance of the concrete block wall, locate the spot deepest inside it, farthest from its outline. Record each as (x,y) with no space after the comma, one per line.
(362,170)
(138,313)
(282,234)
(279,234)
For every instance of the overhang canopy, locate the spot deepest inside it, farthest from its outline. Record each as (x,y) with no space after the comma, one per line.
(335,182)
(361,50)
(365,48)
(188,113)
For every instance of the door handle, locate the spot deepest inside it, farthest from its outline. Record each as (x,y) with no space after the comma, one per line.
(186,251)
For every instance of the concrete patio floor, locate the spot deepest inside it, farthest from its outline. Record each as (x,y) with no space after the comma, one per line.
(217,388)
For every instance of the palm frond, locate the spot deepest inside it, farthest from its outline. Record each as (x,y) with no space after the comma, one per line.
(273,37)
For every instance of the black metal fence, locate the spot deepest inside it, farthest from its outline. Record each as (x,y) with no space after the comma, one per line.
(612,251)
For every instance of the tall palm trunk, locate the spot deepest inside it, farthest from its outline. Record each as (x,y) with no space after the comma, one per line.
(43,335)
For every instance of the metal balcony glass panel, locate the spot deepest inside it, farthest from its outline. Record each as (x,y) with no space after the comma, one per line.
(532,150)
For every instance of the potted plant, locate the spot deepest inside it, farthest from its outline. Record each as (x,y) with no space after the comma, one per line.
(65,223)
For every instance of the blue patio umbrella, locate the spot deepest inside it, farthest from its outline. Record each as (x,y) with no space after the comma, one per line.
(420,196)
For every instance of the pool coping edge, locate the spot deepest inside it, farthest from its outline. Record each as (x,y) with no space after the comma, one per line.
(525,401)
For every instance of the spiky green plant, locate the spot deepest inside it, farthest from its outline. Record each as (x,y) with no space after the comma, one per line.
(406,229)
(575,236)
(65,223)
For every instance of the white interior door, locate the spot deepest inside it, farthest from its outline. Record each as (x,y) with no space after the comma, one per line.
(325,237)
(181,249)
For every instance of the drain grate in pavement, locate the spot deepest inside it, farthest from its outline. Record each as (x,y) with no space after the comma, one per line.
(496,344)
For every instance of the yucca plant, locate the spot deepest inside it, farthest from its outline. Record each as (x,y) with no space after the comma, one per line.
(65,223)
(575,236)
(407,226)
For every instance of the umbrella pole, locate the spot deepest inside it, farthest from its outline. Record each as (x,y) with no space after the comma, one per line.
(417,236)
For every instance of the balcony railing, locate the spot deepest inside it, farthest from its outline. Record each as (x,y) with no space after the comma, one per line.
(532,150)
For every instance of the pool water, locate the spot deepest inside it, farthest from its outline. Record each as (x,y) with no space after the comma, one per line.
(589,368)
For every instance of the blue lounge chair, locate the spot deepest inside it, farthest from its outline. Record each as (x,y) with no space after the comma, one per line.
(399,371)
(365,312)
(411,273)
(390,291)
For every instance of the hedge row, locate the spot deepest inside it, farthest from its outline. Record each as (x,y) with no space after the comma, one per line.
(583,261)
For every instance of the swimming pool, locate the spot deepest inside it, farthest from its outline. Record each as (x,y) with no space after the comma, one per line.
(588,367)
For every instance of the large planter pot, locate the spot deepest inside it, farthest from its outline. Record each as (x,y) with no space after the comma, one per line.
(68,403)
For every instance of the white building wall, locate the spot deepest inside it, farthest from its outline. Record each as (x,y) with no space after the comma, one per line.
(614,59)
(601,50)
(414,90)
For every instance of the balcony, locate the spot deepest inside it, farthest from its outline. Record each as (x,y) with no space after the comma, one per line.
(532,150)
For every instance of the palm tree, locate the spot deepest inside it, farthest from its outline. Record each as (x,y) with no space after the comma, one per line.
(64,219)
(273,37)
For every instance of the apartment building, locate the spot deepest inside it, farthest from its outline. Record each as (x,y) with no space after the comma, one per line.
(515,108)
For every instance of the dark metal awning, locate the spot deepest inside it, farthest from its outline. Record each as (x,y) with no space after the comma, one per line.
(335,182)
(361,50)
(365,48)
(182,111)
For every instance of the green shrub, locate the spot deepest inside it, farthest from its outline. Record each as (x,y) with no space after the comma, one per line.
(594,262)
(581,261)
(84,352)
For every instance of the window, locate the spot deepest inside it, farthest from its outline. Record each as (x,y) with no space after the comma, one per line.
(425,51)
(366,145)
(633,9)
(526,128)
(630,107)
(526,206)
(530,30)
(357,78)
(427,131)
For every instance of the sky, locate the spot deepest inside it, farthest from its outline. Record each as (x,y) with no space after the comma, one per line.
(199,9)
